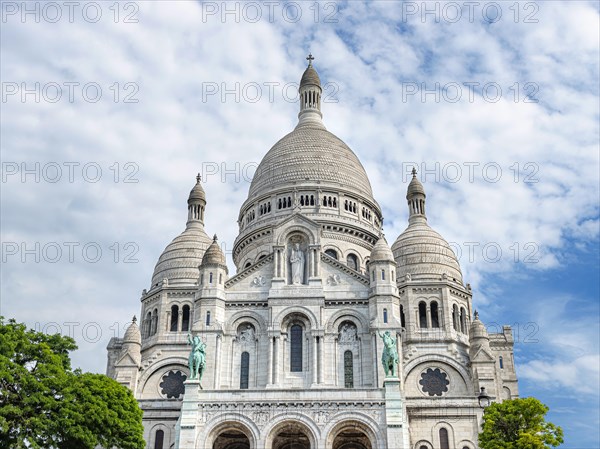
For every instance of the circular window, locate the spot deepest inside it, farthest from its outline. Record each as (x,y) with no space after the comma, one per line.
(172,384)
(434,382)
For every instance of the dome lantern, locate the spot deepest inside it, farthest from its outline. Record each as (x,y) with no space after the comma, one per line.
(196,203)
(310,95)
(415,195)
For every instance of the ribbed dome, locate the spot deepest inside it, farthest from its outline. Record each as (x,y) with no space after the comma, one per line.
(477,329)
(415,187)
(197,193)
(179,261)
(382,252)
(133,334)
(214,254)
(309,155)
(424,254)
(310,76)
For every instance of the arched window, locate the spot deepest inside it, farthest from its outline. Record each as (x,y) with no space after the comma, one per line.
(348,370)
(312,200)
(385,317)
(455,317)
(435,319)
(159,439)
(352,261)
(402,317)
(463,321)
(154,321)
(423,447)
(296,348)
(444,443)
(210,278)
(174,318)
(185,319)
(148,325)
(383,275)
(501,361)
(220,278)
(208,317)
(422,315)
(244,370)
(332,253)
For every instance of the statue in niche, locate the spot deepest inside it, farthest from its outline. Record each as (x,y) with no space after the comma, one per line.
(348,333)
(247,334)
(297,264)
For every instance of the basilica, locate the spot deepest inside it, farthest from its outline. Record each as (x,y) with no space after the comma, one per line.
(293,341)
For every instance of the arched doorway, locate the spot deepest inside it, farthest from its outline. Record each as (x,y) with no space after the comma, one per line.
(351,439)
(351,435)
(291,435)
(231,439)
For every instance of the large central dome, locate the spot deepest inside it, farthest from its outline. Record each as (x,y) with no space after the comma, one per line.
(310,154)
(310,172)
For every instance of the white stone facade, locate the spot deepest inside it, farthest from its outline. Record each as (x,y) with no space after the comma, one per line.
(293,358)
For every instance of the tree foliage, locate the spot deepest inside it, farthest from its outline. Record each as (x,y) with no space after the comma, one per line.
(45,404)
(518,424)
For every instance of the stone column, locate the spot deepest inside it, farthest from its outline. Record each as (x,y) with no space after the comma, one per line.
(277,357)
(321,350)
(270,362)
(315,360)
(217,362)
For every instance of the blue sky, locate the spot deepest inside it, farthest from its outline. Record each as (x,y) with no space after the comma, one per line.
(499,113)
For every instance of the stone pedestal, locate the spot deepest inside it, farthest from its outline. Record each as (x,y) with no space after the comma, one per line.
(396,426)
(185,430)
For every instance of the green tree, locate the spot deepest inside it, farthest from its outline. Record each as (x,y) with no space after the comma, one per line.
(518,424)
(45,404)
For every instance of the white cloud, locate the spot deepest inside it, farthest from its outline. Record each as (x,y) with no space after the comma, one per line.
(371,55)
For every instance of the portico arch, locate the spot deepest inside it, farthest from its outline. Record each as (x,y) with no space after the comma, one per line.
(291,434)
(355,432)
(230,434)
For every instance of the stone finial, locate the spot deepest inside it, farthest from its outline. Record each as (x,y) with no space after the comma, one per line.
(215,238)
(476,315)
(414,172)
(198,178)
(310,58)
(134,319)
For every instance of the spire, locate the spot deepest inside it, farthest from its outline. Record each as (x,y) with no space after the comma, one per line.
(310,95)
(196,203)
(415,195)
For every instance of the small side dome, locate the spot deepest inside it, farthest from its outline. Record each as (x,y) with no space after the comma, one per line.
(197,193)
(133,334)
(381,252)
(213,254)
(477,329)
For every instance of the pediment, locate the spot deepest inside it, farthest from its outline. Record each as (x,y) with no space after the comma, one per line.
(336,275)
(126,360)
(300,223)
(256,277)
(482,355)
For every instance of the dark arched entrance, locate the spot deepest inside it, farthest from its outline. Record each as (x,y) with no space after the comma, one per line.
(351,435)
(231,439)
(291,435)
